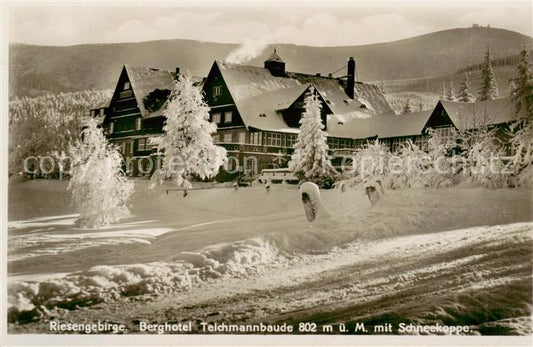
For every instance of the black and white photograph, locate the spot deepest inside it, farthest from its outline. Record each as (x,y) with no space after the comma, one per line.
(267,173)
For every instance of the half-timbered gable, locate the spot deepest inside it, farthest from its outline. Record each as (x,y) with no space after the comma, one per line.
(135,111)
(257,110)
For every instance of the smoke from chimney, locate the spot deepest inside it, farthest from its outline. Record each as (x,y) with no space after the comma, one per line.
(247,51)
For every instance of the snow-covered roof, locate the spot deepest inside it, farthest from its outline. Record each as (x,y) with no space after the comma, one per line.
(365,94)
(259,96)
(145,80)
(468,115)
(381,126)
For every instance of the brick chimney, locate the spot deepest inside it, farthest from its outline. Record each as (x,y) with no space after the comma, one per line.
(352,75)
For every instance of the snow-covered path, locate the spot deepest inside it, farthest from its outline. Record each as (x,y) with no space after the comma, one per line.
(478,276)
(248,256)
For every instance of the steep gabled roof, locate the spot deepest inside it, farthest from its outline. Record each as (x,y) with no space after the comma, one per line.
(381,126)
(145,80)
(258,95)
(366,94)
(468,115)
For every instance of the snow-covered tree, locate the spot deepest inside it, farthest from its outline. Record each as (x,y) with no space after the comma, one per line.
(450,94)
(484,158)
(522,144)
(443,91)
(409,167)
(489,85)
(522,140)
(523,91)
(464,91)
(406,107)
(369,167)
(186,142)
(310,160)
(99,187)
(46,125)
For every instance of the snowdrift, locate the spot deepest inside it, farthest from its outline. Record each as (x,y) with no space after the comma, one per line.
(276,233)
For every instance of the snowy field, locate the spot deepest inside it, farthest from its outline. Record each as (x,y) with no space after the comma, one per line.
(455,256)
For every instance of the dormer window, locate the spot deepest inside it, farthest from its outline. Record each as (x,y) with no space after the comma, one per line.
(127,85)
(217,90)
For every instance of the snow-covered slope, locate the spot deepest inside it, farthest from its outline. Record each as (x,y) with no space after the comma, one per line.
(247,237)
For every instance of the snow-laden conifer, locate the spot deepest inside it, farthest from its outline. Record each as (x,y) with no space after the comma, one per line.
(310,160)
(186,143)
(523,85)
(464,94)
(100,189)
(489,85)
(450,93)
(522,140)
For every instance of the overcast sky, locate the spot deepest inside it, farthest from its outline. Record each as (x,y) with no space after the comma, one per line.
(347,23)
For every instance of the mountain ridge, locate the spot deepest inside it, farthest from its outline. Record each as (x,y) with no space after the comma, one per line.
(35,69)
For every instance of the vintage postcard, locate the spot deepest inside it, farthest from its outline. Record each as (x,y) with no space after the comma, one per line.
(267,173)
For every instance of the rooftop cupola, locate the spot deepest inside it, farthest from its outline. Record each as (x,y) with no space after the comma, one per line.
(275,65)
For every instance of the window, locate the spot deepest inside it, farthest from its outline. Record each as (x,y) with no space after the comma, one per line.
(228,137)
(216,138)
(446,134)
(216,118)
(127,85)
(138,124)
(251,165)
(242,137)
(141,145)
(421,142)
(291,140)
(333,143)
(128,148)
(217,90)
(360,143)
(397,142)
(149,144)
(228,117)
(111,127)
(273,139)
(122,147)
(345,143)
(101,112)
(255,138)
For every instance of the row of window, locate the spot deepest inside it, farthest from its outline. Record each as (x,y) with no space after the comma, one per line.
(258,138)
(127,146)
(222,117)
(336,143)
(125,127)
